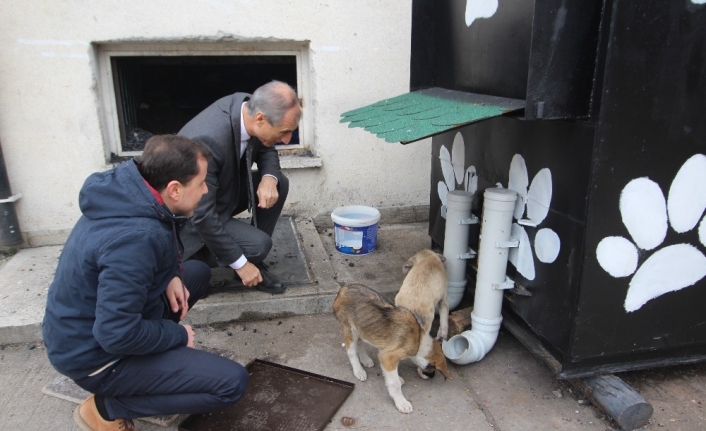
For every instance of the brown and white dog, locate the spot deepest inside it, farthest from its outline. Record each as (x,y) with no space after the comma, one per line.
(424,290)
(367,315)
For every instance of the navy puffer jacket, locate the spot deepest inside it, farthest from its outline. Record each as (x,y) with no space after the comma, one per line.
(106,300)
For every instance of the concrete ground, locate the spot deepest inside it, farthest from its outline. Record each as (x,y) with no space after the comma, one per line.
(508,390)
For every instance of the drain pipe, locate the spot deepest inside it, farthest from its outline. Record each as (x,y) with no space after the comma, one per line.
(9,227)
(472,345)
(456,251)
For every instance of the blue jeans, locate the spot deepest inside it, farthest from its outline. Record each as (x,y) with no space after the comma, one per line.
(182,380)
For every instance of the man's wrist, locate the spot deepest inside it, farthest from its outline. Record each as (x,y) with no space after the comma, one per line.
(271,176)
(242,260)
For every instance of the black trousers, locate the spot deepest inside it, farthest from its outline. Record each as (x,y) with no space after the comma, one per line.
(179,381)
(256,242)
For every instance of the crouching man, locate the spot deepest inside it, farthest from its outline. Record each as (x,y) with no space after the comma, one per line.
(113,310)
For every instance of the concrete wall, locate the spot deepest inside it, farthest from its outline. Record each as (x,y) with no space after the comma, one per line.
(51,126)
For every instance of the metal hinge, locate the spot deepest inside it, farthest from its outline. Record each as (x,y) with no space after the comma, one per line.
(471,220)
(12,198)
(511,243)
(507,284)
(470,254)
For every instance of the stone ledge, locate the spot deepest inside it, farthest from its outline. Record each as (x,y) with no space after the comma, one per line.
(389,215)
(293,161)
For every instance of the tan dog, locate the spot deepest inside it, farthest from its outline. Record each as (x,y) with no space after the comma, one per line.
(424,289)
(367,315)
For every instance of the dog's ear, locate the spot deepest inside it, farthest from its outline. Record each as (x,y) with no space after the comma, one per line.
(420,319)
(407,266)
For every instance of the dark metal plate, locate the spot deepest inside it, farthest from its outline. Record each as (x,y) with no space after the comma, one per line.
(278,398)
(286,261)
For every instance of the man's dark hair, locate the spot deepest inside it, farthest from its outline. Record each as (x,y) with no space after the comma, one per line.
(273,99)
(168,158)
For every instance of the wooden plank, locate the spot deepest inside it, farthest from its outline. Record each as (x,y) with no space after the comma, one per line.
(616,399)
(459,321)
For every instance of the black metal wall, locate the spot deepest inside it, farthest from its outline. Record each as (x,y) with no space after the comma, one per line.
(490,57)
(652,120)
(633,76)
(543,52)
(563,59)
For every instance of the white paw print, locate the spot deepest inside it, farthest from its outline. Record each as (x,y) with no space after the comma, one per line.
(647,217)
(537,200)
(476,9)
(452,166)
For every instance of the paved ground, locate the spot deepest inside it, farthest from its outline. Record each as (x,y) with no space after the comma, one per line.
(508,390)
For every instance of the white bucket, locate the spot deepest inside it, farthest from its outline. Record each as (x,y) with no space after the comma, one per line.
(355,229)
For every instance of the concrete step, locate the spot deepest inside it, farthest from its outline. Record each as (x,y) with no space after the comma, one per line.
(304,251)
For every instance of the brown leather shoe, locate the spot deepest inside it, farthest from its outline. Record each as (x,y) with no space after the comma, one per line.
(87,418)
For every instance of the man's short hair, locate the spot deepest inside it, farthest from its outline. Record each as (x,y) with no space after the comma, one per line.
(169,158)
(274,99)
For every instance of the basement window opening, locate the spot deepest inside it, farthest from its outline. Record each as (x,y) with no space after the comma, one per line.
(150,92)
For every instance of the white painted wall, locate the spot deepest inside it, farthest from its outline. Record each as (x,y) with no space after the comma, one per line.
(50,114)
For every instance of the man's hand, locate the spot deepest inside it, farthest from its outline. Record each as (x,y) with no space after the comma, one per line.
(178,297)
(249,274)
(191,334)
(267,193)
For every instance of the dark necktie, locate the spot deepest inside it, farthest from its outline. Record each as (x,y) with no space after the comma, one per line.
(251,191)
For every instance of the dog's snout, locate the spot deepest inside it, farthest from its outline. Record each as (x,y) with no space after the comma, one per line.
(429,371)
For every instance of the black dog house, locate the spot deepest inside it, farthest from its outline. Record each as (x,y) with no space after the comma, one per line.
(608,156)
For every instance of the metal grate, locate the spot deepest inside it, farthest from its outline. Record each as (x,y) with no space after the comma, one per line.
(278,398)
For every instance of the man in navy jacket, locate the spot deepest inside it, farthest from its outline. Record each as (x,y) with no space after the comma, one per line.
(120,289)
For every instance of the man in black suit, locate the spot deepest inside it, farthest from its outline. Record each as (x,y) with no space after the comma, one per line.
(238,130)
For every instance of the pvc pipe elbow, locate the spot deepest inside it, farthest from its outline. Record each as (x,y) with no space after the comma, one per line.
(473,345)
(454,292)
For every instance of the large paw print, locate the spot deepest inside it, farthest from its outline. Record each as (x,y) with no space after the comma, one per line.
(453,169)
(536,199)
(647,216)
(476,9)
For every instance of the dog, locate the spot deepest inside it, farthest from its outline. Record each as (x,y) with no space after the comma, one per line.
(367,315)
(424,290)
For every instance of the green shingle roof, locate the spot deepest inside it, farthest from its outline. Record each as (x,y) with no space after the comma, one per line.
(417,115)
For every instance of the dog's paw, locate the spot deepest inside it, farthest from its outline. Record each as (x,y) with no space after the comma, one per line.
(420,371)
(367,362)
(442,334)
(361,375)
(404,406)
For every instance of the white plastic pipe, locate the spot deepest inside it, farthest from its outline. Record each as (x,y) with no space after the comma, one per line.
(458,209)
(472,345)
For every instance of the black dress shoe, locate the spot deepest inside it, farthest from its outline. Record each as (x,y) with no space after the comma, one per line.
(269,283)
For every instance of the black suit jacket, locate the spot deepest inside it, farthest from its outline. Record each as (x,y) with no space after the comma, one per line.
(218,128)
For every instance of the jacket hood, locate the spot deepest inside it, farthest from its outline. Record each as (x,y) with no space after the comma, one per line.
(120,192)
